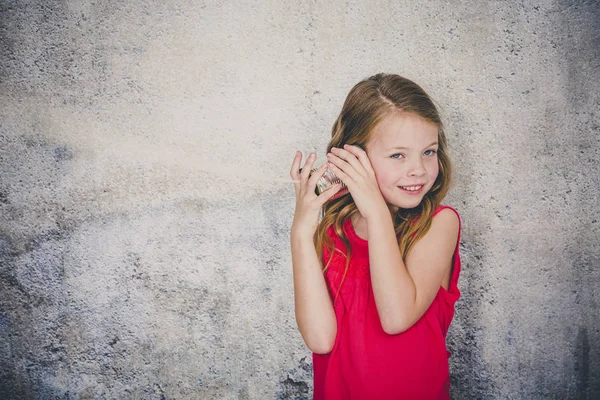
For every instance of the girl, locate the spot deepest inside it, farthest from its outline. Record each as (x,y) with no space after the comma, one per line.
(376,315)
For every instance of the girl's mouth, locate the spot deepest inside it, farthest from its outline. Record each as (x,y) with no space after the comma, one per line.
(411,189)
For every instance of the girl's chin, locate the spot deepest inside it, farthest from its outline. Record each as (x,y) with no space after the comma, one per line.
(405,203)
(395,206)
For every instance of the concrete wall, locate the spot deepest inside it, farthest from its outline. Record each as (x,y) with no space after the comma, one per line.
(144,235)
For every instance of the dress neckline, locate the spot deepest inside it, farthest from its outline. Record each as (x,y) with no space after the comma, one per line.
(363,242)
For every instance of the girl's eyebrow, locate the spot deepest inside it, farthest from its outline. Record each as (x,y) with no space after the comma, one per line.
(406,148)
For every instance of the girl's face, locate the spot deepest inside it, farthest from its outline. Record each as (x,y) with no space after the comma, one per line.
(403,152)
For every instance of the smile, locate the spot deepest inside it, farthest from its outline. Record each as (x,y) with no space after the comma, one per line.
(411,189)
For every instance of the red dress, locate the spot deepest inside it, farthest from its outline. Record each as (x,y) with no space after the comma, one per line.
(367,363)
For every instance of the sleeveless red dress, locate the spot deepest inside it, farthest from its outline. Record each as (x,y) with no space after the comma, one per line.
(367,363)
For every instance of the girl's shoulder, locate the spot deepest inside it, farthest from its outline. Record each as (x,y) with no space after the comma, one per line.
(450,209)
(450,217)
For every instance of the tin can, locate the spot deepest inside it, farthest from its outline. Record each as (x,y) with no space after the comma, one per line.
(328,180)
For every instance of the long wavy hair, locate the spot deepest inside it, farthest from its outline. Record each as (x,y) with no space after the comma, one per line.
(367,104)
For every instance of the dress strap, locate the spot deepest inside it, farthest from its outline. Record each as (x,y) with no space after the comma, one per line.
(456,265)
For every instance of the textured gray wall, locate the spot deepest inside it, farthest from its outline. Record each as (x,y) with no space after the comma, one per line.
(144,237)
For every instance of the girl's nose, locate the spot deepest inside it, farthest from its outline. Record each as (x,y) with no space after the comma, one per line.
(417,169)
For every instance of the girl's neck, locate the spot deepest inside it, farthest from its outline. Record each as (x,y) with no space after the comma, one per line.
(358,219)
(359,224)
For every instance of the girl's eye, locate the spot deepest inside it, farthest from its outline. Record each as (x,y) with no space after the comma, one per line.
(432,152)
(397,154)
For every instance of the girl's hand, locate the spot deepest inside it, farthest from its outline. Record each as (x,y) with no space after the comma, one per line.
(353,167)
(308,204)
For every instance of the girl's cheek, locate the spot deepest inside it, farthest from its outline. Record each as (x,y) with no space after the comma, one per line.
(435,170)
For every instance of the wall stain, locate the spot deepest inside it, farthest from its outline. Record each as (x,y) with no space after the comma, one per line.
(291,389)
(3,196)
(62,154)
(469,374)
(297,382)
(582,361)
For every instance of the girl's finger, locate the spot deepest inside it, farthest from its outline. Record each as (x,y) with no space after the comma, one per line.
(294,171)
(314,178)
(296,165)
(310,160)
(361,155)
(329,193)
(344,177)
(349,157)
(342,165)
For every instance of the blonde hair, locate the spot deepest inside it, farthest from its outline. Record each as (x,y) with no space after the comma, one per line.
(367,104)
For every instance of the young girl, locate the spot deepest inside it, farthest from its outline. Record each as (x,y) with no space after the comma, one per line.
(376,315)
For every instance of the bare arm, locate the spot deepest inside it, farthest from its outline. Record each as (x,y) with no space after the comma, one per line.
(404,292)
(314,310)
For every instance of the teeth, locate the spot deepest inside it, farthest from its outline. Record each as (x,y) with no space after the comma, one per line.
(411,188)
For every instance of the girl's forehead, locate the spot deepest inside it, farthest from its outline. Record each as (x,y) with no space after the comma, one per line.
(404,129)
